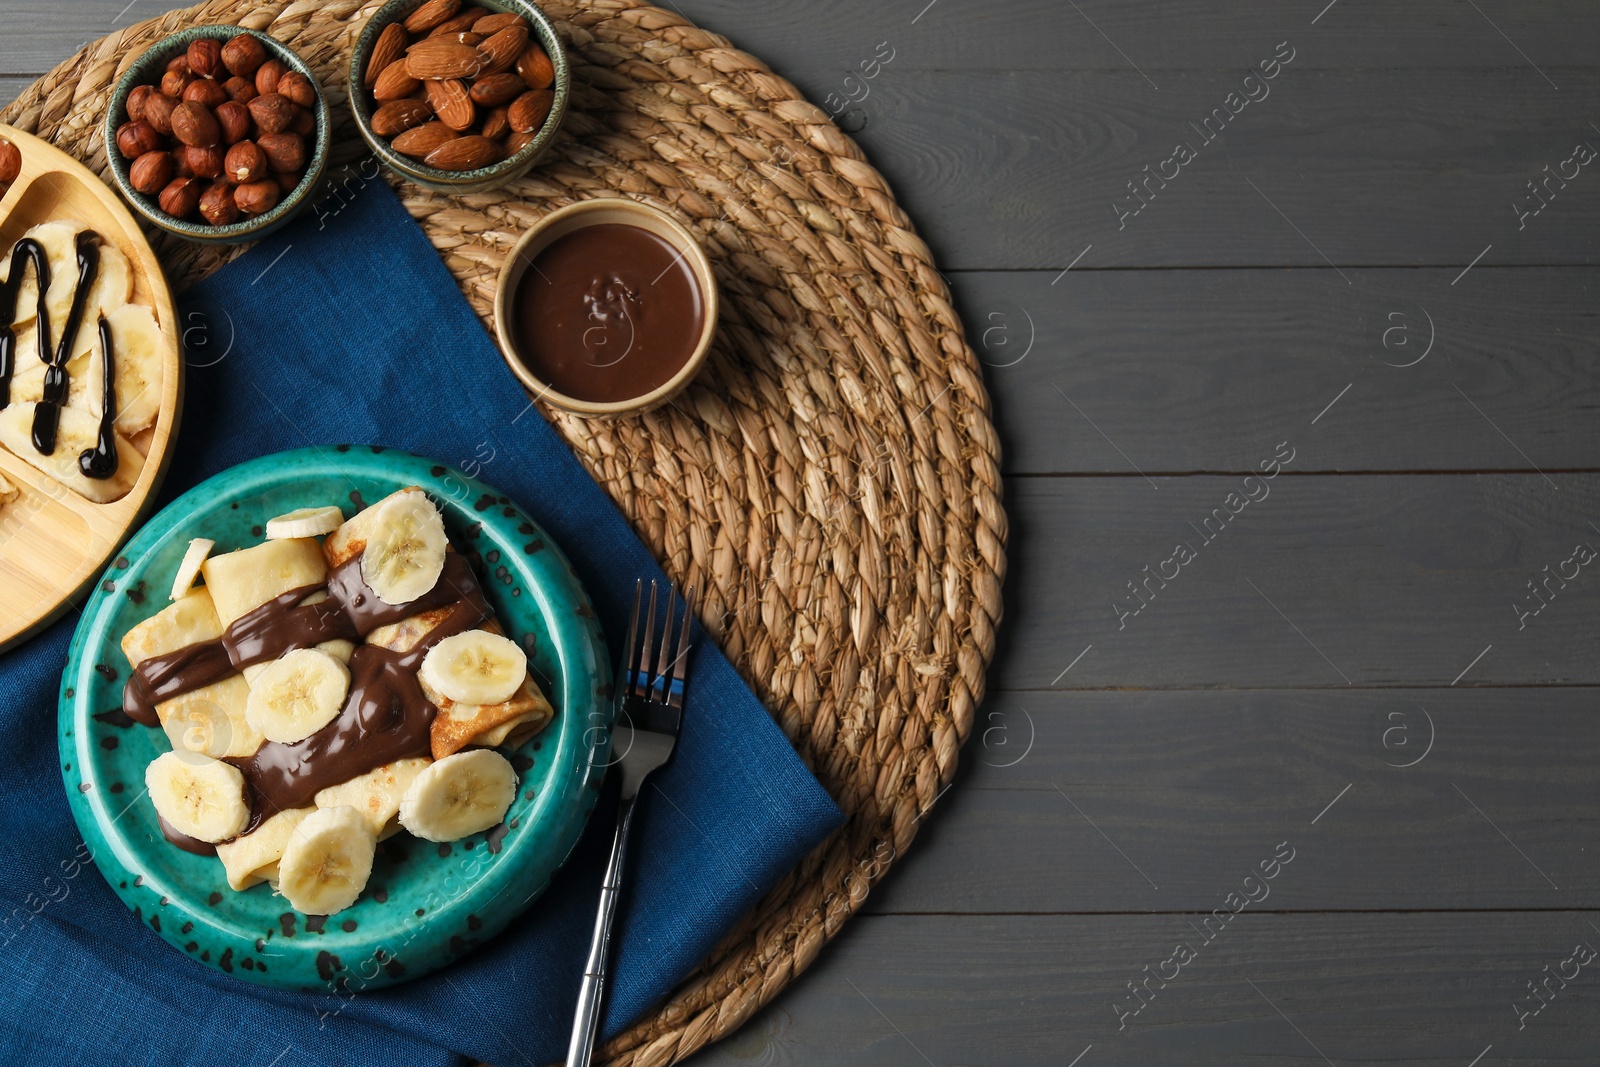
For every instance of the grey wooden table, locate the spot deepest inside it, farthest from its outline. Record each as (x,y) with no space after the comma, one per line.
(1290,317)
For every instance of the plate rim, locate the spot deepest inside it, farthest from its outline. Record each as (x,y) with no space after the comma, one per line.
(580,781)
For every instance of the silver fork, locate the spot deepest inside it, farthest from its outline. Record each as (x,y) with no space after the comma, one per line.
(649,710)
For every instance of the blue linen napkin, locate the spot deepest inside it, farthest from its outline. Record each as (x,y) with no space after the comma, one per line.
(346,327)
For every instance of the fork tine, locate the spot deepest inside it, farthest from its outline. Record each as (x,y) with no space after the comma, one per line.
(680,660)
(640,679)
(660,682)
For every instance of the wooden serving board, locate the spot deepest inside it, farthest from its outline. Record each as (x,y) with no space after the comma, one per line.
(53,542)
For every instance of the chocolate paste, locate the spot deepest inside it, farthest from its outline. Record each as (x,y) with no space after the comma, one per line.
(101,460)
(184,841)
(386,716)
(23,252)
(47,412)
(607,313)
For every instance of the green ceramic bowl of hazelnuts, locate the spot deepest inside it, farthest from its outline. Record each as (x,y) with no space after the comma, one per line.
(218,134)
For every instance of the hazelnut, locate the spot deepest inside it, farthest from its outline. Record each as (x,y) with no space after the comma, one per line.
(10,161)
(298,88)
(136,101)
(273,113)
(195,125)
(206,93)
(217,205)
(305,123)
(240,89)
(174,82)
(151,172)
(243,55)
(134,139)
(158,112)
(204,162)
(234,119)
(179,63)
(287,181)
(205,57)
(267,76)
(181,198)
(180,164)
(257,197)
(284,151)
(246,162)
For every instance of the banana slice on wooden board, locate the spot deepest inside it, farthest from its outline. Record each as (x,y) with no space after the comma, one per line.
(200,796)
(459,795)
(327,860)
(77,431)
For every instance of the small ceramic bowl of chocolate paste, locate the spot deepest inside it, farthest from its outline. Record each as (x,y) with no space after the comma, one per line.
(606,307)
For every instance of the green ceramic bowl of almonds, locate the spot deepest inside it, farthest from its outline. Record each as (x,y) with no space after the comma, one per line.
(462,111)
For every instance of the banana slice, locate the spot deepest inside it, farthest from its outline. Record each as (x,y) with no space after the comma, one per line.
(253,858)
(377,793)
(475,667)
(27,384)
(296,695)
(405,548)
(136,349)
(60,247)
(305,522)
(459,795)
(202,797)
(327,861)
(76,432)
(189,568)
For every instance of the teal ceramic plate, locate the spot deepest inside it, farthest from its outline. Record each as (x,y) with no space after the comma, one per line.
(425,904)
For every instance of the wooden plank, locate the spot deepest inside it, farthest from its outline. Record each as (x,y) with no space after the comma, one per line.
(1029,169)
(1420,990)
(1135,801)
(1028,34)
(1377,580)
(11,85)
(1195,370)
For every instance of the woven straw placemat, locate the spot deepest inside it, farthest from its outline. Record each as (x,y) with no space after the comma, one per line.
(830,483)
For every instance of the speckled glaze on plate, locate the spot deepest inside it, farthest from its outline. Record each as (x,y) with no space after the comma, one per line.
(425,904)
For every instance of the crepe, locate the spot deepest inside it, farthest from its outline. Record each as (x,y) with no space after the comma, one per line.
(376,794)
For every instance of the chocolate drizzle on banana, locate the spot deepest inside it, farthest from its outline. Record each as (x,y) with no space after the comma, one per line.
(385,717)
(47,412)
(101,461)
(23,252)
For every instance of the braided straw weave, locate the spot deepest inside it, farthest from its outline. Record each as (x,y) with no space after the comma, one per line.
(830,482)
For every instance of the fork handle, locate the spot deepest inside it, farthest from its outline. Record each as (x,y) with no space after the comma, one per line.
(591,995)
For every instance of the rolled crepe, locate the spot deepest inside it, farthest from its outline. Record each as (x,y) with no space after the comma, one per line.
(209,719)
(377,793)
(244,580)
(252,858)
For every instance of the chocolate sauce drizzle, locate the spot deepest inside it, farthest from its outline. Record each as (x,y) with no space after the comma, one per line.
(386,716)
(101,460)
(23,252)
(47,412)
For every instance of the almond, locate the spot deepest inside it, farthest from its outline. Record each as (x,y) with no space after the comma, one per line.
(391,45)
(535,67)
(457,24)
(395,83)
(421,140)
(451,103)
(496,89)
(504,48)
(495,124)
(431,14)
(464,153)
(529,110)
(440,57)
(489,24)
(397,116)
